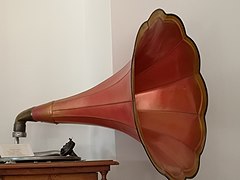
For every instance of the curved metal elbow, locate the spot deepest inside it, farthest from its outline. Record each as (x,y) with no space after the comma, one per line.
(19,128)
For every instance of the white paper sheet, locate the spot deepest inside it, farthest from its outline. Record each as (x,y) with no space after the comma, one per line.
(15,150)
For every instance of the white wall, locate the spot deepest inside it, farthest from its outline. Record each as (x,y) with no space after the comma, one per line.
(50,49)
(214,26)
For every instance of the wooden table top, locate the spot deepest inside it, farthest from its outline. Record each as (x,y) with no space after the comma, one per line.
(56,167)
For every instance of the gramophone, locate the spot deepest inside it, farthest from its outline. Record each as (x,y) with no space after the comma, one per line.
(159,98)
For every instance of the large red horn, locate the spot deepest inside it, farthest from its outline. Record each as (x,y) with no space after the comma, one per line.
(159,98)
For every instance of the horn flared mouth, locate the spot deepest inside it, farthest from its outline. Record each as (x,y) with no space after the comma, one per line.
(170,96)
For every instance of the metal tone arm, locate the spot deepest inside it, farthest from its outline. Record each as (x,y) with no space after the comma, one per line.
(19,128)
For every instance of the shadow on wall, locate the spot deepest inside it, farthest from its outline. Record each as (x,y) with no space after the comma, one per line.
(132,159)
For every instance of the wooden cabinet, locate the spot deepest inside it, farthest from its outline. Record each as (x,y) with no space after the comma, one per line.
(77,170)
